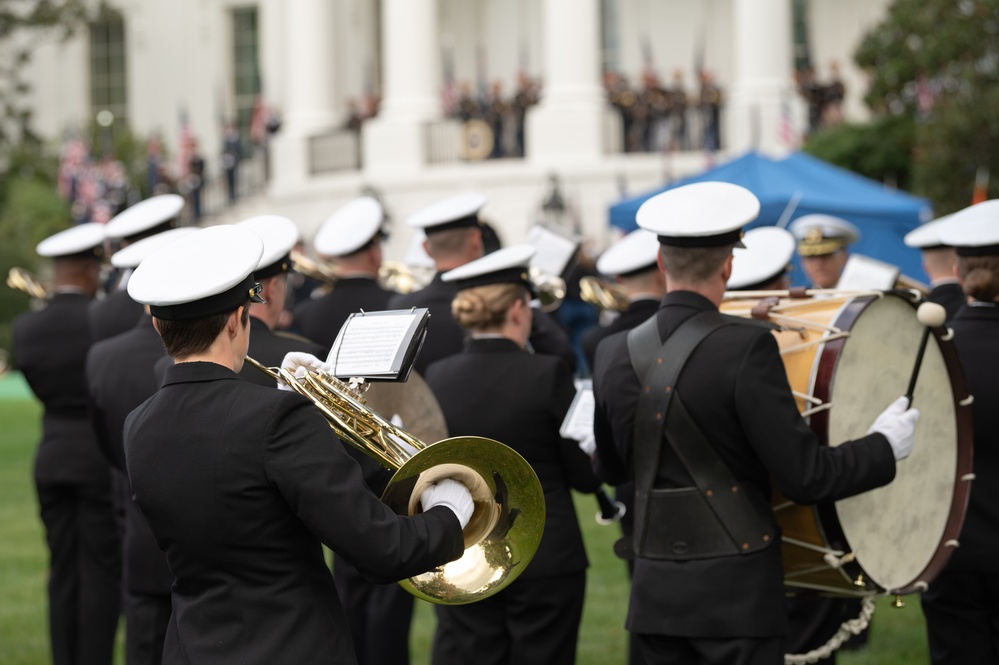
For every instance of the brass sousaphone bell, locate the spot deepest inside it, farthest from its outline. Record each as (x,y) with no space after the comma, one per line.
(509,516)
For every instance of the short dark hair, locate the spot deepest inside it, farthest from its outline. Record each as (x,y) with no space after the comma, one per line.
(184,338)
(693,264)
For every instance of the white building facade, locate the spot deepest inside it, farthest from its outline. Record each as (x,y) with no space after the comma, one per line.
(158,65)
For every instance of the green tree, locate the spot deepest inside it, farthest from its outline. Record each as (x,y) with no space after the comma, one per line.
(937,62)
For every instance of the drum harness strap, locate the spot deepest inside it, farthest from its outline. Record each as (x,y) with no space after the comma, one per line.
(732,525)
(715,518)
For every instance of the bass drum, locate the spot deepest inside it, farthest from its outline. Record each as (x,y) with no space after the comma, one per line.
(846,359)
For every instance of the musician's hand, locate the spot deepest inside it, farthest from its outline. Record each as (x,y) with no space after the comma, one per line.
(450,493)
(898,424)
(299,363)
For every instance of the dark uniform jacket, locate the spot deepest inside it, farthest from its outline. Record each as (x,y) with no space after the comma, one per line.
(735,388)
(114,315)
(446,338)
(322,318)
(269,348)
(50,348)
(240,485)
(637,312)
(120,377)
(444,335)
(950,295)
(497,390)
(976,336)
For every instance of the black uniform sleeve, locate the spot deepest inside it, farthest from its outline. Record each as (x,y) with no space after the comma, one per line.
(615,392)
(325,488)
(803,470)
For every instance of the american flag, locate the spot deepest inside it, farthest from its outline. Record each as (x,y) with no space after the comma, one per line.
(785,128)
(186,148)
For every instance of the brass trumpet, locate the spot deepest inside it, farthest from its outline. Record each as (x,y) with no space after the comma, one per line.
(550,289)
(21,280)
(509,517)
(392,275)
(604,295)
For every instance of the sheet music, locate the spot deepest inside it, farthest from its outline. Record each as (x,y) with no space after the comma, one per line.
(554,250)
(580,415)
(862,272)
(370,345)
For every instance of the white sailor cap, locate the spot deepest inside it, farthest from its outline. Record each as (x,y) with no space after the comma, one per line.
(451,213)
(350,228)
(81,240)
(768,253)
(823,234)
(279,235)
(205,273)
(134,254)
(636,252)
(510,265)
(702,214)
(973,231)
(144,216)
(926,236)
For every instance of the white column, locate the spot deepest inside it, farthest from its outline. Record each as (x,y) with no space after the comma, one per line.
(762,87)
(309,104)
(411,66)
(568,123)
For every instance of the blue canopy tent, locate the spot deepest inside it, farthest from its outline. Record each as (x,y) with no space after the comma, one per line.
(883,216)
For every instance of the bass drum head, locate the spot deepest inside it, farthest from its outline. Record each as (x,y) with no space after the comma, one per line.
(897,532)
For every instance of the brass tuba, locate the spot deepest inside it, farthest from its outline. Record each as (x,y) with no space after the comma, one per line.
(509,517)
(604,295)
(21,280)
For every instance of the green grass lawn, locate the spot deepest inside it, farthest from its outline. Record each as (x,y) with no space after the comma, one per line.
(898,636)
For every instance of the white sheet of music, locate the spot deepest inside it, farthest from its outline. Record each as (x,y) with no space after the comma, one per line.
(862,272)
(369,345)
(554,250)
(580,415)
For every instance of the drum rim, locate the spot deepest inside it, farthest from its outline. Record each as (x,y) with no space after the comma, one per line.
(819,422)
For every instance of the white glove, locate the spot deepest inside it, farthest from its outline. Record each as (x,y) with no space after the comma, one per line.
(898,424)
(450,493)
(299,363)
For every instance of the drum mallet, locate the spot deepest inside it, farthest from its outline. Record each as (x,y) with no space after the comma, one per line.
(931,315)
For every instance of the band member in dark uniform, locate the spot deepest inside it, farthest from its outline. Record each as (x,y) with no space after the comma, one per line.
(700,594)
(495,388)
(117,313)
(120,376)
(961,607)
(454,237)
(352,237)
(823,243)
(71,476)
(241,484)
(279,235)
(940,264)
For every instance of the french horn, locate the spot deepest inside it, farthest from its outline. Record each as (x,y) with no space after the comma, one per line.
(550,289)
(509,516)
